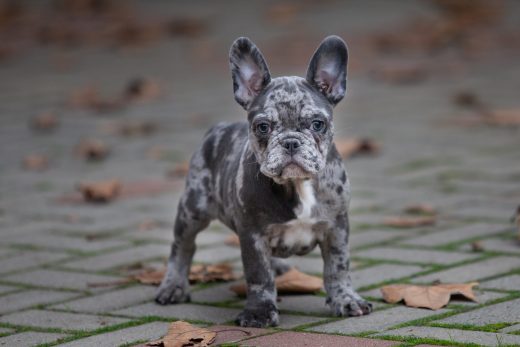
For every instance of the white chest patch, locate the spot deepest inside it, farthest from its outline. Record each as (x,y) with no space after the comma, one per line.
(297,235)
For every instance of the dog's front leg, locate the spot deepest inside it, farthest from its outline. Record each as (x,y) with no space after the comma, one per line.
(260,310)
(341,296)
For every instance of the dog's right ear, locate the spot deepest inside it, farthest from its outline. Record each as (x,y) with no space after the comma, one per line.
(249,71)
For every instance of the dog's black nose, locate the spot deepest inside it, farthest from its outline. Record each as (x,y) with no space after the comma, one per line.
(291,145)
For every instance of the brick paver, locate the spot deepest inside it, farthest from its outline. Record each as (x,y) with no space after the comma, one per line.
(456,335)
(64,263)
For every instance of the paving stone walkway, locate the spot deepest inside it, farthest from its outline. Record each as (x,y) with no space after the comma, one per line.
(64,262)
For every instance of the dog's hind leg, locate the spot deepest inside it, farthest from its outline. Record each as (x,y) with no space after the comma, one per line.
(193,215)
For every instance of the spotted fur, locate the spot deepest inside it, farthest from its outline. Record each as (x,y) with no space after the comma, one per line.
(283,191)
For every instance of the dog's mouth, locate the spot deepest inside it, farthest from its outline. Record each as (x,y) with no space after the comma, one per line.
(293,170)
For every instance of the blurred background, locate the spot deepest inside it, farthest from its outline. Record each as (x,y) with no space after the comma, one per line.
(102,103)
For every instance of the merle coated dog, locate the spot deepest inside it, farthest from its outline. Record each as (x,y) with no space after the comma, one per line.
(277,180)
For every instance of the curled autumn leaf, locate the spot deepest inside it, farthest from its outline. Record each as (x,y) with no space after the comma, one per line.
(92,149)
(198,274)
(421,209)
(432,297)
(100,192)
(348,148)
(142,89)
(35,162)
(232,240)
(293,281)
(180,170)
(409,221)
(183,334)
(44,122)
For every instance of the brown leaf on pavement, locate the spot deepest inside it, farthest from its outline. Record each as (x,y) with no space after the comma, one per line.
(101,191)
(180,170)
(92,149)
(142,89)
(232,240)
(477,246)
(89,98)
(183,334)
(45,121)
(401,74)
(409,222)
(137,128)
(35,162)
(293,281)
(432,297)
(198,274)
(348,148)
(186,27)
(421,209)
(211,273)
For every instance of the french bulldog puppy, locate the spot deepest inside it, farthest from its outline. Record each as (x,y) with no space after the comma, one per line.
(277,180)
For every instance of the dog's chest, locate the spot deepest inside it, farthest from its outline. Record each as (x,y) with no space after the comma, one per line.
(299,235)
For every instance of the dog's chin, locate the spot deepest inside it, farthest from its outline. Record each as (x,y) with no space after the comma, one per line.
(294,171)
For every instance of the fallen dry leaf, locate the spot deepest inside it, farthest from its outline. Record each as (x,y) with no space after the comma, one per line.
(477,246)
(186,27)
(211,273)
(198,274)
(137,128)
(510,117)
(402,74)
(232,240)
(44,122)
(421,209)
(180,170)
(293,281)
(89,97)
(35,162)
(142,89)
(183,334)
(92,149)
(432,297)
(409,222)
(100,192)
(348,148)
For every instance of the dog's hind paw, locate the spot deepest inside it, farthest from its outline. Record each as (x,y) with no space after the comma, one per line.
(262,317)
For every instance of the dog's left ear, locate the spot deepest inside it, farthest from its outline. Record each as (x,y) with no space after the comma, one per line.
(249,71)
(327,70)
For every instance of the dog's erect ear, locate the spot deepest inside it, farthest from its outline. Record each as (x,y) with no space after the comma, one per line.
(327,70)
(249,71)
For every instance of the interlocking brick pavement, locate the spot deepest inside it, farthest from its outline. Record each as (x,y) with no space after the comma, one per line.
(64,263)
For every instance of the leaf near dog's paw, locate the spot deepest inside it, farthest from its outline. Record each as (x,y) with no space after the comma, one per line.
(183,334)
(211,273)
(103,191)
(409,222)
(198,274)
(432,297)
(348,148)
(293,281)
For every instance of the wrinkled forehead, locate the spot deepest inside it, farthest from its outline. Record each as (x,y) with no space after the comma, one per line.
(289,97)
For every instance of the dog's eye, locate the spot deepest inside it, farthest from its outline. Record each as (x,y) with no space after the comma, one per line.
(263,128)
(317,125)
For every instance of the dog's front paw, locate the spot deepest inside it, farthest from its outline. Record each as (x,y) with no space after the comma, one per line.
(261,317)
(349,305)
(172,291)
